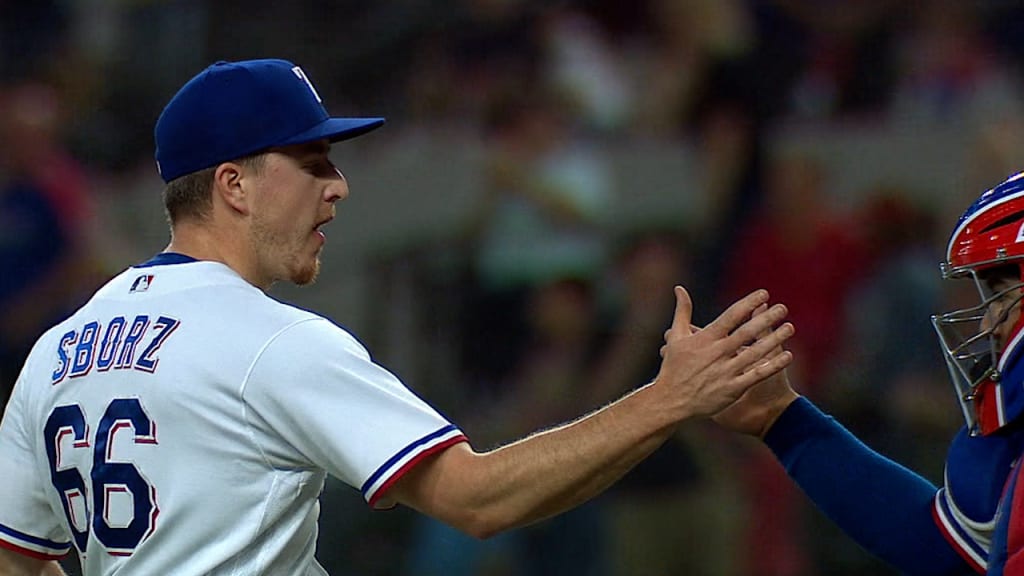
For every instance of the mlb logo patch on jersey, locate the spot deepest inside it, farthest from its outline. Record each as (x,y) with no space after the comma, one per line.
(141,284)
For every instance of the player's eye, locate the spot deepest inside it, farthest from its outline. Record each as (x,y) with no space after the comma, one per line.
(321,168)
(316,167)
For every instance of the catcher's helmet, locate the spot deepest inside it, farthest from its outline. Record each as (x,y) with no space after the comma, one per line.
(987,371)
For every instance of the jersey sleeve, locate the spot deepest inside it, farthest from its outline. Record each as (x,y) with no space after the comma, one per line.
(966,508)
(882,505)
(315,397)
(970,539)
(1008,552)
(27,522)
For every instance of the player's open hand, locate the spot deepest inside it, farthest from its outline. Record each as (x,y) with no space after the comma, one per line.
(705,370)
(762,404)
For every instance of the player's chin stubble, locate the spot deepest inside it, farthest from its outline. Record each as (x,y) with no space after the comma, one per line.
(307,274)
(291,254)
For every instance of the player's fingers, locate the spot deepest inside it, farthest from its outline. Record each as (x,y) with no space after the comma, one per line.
(758,311)
(768,367)
(693,330)
(765,347)
(772,354)
(736,314)
(683,312)
(750,331)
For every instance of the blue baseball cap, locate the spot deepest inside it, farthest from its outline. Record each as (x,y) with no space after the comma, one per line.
(233,109)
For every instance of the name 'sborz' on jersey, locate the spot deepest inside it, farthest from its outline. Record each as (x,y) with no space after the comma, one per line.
(119,343)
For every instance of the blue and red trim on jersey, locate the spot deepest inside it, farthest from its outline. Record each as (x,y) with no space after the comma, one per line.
(405,459)
(1007,557)
(33,546)
(959,538)
(165,258)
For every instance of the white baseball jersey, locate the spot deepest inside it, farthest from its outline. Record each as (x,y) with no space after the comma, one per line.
(182,422)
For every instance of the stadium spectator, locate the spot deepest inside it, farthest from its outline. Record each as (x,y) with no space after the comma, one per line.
(47,233)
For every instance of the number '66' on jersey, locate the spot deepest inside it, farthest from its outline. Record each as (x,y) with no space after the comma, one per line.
(180,404)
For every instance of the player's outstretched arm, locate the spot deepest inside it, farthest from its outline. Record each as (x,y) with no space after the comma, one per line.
(885,507)
(551,471)
(15,564)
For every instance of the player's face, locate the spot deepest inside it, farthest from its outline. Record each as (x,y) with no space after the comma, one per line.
(293,198)
(1002,314)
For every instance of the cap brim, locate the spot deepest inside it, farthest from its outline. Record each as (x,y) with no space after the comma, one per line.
(336,130)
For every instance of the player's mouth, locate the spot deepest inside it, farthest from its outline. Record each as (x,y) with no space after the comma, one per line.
(318,228)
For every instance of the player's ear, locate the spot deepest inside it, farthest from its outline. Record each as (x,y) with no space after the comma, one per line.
(229,185)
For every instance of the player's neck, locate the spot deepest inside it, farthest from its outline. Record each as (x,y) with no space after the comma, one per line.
(202,243)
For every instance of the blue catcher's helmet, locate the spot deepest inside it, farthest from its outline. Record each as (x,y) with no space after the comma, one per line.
(986,370)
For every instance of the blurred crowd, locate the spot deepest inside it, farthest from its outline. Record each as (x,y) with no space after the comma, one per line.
(575,160)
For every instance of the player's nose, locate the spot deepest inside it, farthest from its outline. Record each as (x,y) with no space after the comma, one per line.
(337,188)
(987,323)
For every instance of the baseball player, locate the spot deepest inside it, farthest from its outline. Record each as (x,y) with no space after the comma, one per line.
(974,523)
(183,422)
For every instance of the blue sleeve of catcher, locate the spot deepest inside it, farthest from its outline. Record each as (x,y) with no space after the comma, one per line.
(883,506)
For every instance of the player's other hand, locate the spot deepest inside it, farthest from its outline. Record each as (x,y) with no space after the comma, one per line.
(762,404)
(704,371)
